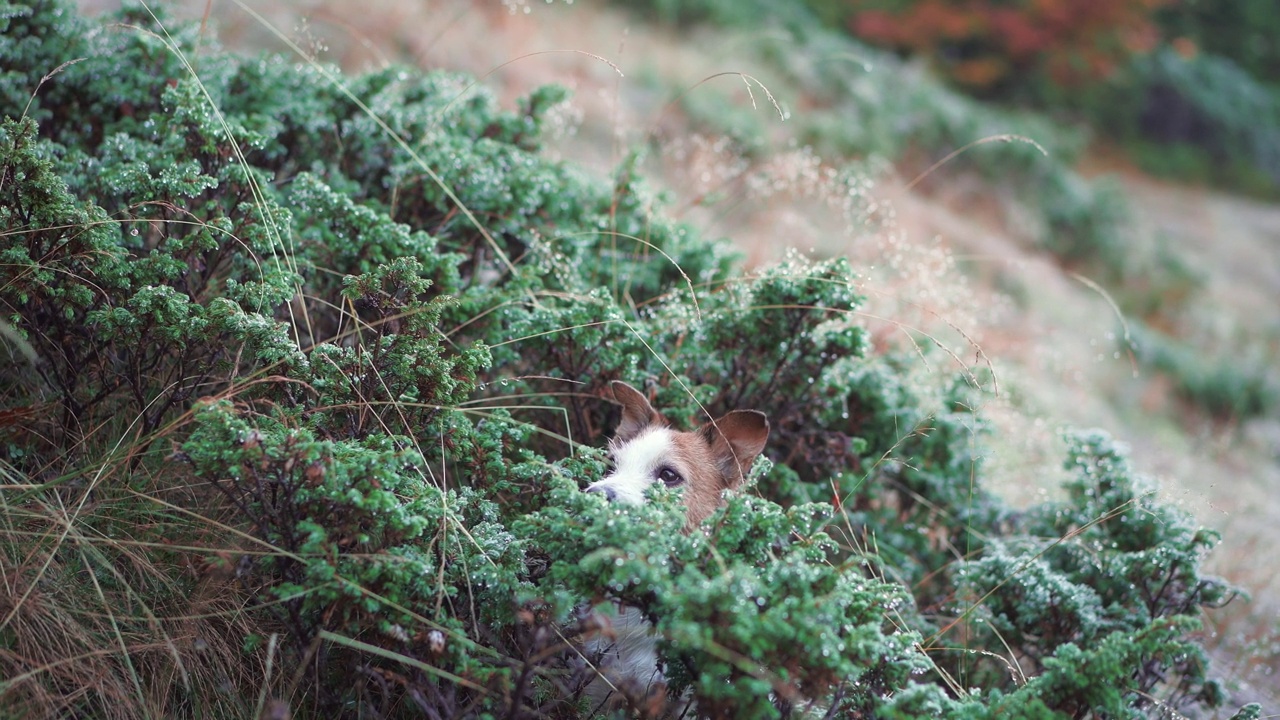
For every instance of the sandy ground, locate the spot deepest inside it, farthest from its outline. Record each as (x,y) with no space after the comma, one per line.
(950,264)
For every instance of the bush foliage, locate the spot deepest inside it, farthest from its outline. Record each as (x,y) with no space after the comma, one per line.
(865,102)
(1188,88)
(985,45)
(308,375)
(1199,118)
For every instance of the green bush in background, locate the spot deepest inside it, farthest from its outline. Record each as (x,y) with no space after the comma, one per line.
(1188,89)
(1229,388)
(1241,32)
(1201,118)
(867,103)
(308,376)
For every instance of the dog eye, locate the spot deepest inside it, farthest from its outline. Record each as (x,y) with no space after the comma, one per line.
(670,477)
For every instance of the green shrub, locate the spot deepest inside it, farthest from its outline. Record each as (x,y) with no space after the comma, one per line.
(322,397)
(1085,223)
(865,102)
(1200,118)
(1240,32)
(1227,388)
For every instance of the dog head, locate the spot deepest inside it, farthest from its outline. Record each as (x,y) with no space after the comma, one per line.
(702,463)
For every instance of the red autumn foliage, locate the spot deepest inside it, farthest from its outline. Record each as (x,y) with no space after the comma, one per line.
(984,43)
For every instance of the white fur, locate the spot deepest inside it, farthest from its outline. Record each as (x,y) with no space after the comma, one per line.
(627,652)
(629,655)
(636,465)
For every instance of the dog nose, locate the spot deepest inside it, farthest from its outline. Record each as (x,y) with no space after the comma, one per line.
(608,492)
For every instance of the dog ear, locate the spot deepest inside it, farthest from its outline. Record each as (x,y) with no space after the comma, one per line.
(736,439)
(637,413)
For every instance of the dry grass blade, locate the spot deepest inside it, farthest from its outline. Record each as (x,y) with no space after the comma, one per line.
(48,76)
(1006,138)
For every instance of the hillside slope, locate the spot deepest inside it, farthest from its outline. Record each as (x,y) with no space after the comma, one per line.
(953,259)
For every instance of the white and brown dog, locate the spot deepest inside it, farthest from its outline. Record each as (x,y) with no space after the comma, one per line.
(702,464)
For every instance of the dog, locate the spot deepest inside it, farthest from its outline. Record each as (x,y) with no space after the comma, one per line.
(702,464)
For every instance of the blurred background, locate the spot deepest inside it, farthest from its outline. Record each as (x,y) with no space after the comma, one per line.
(1081,195)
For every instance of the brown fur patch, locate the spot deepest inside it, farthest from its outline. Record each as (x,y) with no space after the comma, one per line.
(712,458)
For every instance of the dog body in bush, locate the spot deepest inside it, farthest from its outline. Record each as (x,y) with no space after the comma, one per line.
(702,464)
